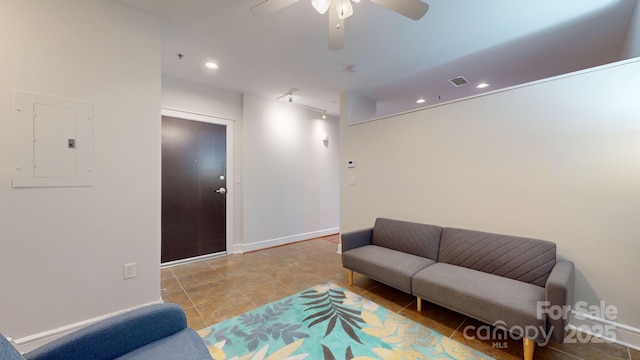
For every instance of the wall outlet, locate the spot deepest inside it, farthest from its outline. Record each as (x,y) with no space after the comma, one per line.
(129,271)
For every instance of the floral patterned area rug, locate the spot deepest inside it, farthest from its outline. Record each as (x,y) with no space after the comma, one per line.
(328,322)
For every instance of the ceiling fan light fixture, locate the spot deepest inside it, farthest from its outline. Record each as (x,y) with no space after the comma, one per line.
(344,8)
(321,6)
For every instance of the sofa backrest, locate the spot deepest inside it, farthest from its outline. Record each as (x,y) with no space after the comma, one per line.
(7,351)
(524,259)
(409,237)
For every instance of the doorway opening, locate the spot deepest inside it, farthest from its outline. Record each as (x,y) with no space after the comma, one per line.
(197,186)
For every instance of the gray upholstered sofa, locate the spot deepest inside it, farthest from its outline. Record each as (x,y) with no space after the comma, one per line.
(153,332)
(501,280)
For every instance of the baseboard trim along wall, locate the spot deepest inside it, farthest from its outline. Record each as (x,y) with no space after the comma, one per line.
(242,248)
(193,259)
(607,330)
(28,343)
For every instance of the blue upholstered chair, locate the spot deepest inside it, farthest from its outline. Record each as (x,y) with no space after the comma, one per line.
(156,332)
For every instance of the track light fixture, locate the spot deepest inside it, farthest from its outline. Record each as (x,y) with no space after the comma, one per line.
(288,95)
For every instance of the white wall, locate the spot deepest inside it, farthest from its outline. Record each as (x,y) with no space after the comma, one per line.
(63,249)
(206,100)
(632,42)
(188,96)
(291,187)
(359,108)
(556,160)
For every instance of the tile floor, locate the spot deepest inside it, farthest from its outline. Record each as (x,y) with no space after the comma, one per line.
(216,289)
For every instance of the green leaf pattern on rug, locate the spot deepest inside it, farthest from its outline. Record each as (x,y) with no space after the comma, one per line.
(328,322)
(264,326)
(328,306)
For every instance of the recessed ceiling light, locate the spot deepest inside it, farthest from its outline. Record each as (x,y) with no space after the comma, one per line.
(211,65)
(482,85)
(421,101)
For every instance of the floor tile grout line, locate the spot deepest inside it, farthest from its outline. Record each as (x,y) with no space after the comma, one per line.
(456,329)
(368,290)
(162,289)
(406,306)
(189,297)
(564,352)
(190,271)
(179,283)
(250,300)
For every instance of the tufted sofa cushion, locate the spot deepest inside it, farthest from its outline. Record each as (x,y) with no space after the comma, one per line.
(523,259)
(407,237)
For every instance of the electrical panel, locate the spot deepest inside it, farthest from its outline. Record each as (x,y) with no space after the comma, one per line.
(53,141)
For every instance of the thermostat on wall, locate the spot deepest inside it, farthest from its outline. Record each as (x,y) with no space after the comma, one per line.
(351,163)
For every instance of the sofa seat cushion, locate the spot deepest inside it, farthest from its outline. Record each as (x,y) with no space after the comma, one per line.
(489,298)
(391,267)
(184,345)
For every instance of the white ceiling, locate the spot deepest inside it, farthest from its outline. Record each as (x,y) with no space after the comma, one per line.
(502,42)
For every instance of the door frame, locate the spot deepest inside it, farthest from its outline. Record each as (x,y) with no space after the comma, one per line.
(229,124)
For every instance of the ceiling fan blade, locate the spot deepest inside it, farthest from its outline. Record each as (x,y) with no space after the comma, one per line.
(413,9)
(336,29)
(268,7)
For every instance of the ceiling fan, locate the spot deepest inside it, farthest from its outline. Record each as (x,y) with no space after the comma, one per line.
(339,10)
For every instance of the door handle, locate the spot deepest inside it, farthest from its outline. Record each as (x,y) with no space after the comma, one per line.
(222,191)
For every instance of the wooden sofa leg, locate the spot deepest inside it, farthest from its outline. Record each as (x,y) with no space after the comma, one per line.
(419,303)
(350,277)
(528,346)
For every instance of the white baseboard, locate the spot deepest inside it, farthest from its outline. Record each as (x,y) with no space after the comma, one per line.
(193,259)
(30,342)
(607,330)
(285,240)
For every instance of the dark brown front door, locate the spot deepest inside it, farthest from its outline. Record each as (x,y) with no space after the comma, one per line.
(193,188)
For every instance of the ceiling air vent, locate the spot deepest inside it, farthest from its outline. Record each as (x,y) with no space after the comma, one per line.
(458,81)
